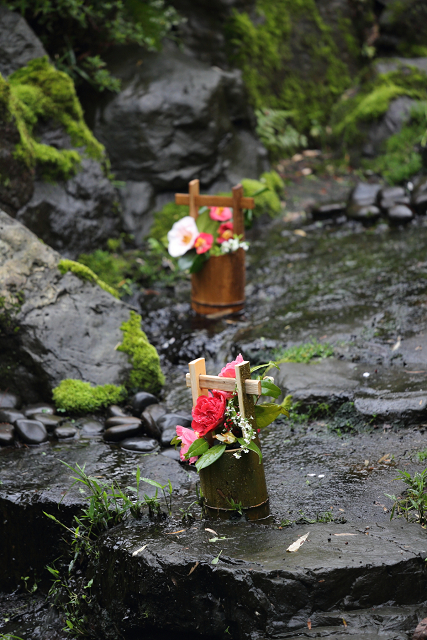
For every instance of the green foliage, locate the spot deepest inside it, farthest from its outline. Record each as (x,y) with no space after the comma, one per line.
(371,99)
(165,219)
(305,352)
(39,93)
(146,373)
(270,189)
(277,133)
(76,33)
(84,273)
(108,267)
(76,396)
(264,49)
(420,456)
(400,158)
(412,504)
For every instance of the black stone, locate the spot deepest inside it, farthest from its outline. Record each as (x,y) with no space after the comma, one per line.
(365,213)
(364,194)
(6,435)
(114,410)
(400,213)
(40,407)
(419,202)
(139,444)
(114,421)
(122,431)
(141,401)
(149,419)
(65,431)
(167,435)
(10,415)
(171,453)
(31,431)
(389,196)
(50,421)
(92,428)
(18,42)
(9,400)
(329,210)
(173,419)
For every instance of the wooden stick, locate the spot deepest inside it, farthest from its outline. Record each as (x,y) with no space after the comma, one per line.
(238,222)
(246,402)
(253,387)
(213,201)
(197,368)
(193,190)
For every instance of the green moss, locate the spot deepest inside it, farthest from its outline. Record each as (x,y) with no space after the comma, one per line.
(39,93)
(269,201)
(268,50)
(305,352)
(84,273)
(110,268)
(146,373)
(76,396)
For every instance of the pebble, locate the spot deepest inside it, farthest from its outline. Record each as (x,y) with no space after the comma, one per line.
(363,213)
(6,435)
(115,420)
(140,444)
(91,428)
(172,419)
(65,431)
(329,210)
(167,435)
(122,431)
(9,400)
(114,410)
(400,213)
(31,431)
(49,421)
(11,415)
(149,418)
(141,401)
(40,407)
(171,453)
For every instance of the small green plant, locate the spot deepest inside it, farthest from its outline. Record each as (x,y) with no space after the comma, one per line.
(8,636)
(305,353)
(412,504)
(166,489)
(29,588)
(235,506)
(277,133)
(420,456)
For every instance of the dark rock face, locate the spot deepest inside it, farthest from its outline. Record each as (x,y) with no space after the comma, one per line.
(18,189)
(398,114)
(67,328)
(18,43)
(31,431)
(6,435)
(141,401)
(139,444)
(75,216)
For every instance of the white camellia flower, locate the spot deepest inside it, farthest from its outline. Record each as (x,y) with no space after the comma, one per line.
(182,236)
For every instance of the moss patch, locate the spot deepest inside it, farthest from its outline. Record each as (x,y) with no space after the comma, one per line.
(305,352)
(39,93)
(84,273)
(146,373)
(268,201)
(76,396)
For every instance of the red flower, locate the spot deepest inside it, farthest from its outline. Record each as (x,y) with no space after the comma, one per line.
(225,232)
(208,413)
(203,242)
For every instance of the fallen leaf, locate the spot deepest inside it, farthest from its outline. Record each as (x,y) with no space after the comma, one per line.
(309,623)
(384,458)
(341,509)
(135,553)
(344,622)
(296,545)
(193,568)
(170,533)
(300,232)
(212,531)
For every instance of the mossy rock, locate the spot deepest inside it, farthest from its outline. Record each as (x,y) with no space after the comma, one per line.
(404,22)
(84,273)
(146,373)
(267,201)
(36,94)
(76,396)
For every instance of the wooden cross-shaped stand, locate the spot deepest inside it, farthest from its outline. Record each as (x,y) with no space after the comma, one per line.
(237,202)
(200,383)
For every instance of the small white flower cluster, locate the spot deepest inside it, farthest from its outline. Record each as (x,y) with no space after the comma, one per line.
(228,246)
(248,431)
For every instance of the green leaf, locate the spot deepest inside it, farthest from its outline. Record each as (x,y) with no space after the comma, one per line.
(268,388)
(175,441)
(286,405)
(205,224)
(215,560)
(263,366)
(199,261)
(197,448)
(186,261)
(210,456)
(266,413)
(152,482)
(252,446)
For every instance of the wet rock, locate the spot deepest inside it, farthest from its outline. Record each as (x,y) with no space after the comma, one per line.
(49,421)
(10,415)
(397,114)
(141,401)
(139,444)
(18,43)
(405,408)
(122,431)
(149,418)
(329,210)
(400,213)
(65,431)
(366,213)
(420,632)
(171,420)
(114,410)
(92,428)
(173,454)
(167,435)
(389,196)
(40,407)
(9,400)
(361,206)
(31,431)
(419,196)
(7,432)
(116,420)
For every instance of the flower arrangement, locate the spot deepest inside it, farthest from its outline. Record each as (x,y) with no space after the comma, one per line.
(218,424)
(195,241)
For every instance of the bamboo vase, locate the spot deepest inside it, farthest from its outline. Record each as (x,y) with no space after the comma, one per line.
(220,285)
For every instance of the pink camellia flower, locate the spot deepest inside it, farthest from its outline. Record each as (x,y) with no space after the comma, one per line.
(203,242)
(182,236)
(187,437)
(225,232)
(208,412)
(221,213)
(228,371)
